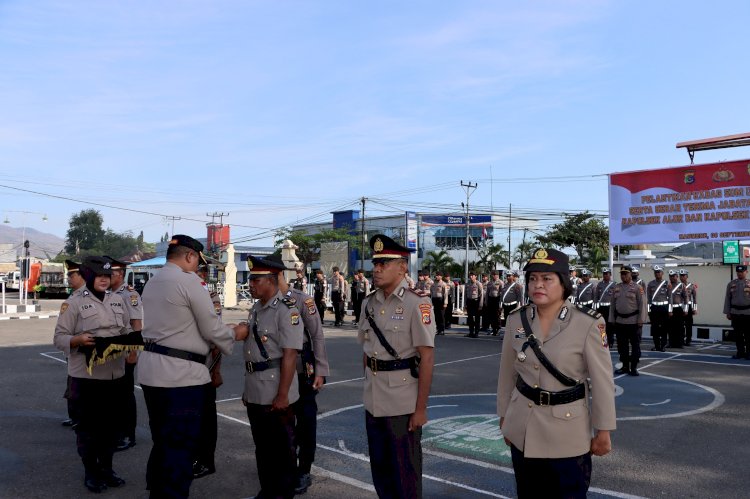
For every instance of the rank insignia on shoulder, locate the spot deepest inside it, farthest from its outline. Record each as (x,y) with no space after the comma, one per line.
(371,293)
(289,302)
(295,318)
(588,311)
(63,308)
(130,288)
(419,292)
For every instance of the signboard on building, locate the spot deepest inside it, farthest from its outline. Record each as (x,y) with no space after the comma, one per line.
(454,220)
(731,252)
(709,202)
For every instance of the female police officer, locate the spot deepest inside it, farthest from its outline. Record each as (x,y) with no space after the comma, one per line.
(551,347)
(94,312)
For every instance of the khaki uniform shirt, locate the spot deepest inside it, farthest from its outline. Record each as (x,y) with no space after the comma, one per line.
(738,295)
(439,291)
(338,284)
(132,301)
(658,293)
(677,296)
(474,291)
(361,286)
(82,313)
(585,294)
(279,327)
(494,288)
(603,294)
(179,313)
(512,294)
(407,321)
(626,299)
(577,346)
(314,327)
(691,294)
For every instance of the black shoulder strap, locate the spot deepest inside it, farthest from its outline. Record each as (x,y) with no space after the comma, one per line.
(565,380)
(380,336)
(257,338)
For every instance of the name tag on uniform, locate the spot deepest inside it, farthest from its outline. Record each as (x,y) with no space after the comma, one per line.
(397,317)
(86,306)
(116,304)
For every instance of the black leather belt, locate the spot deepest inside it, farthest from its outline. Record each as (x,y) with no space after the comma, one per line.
(253,367)
(174,352)
(625,316)
(740,307)
(543,397)
(376,365)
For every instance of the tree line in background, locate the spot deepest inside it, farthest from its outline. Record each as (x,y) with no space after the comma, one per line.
(581,231)
(86,236)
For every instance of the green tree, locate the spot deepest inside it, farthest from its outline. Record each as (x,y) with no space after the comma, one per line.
(523,252)
(85,232)
(582,231)
(490,256)
(437,260)
(309,244)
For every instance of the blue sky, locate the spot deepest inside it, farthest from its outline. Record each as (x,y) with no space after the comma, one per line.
(281,111)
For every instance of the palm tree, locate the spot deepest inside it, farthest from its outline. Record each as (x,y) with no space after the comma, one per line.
(523,252)
(490,256)
(437,260)
(596,255)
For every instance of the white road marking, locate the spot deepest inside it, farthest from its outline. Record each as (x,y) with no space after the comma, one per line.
(490,418)
(50,355)
(657,403)
(318,471)
(443,405)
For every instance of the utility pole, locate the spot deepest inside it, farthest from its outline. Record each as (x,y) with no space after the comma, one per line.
(172,219)
(510,218)
(362,232)
(469,188)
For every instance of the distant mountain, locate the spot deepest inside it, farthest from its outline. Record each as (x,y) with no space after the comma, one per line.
(41,244)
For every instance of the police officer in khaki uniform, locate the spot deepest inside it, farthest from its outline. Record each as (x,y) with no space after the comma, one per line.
(493,291)
(397,337)
(338,296)
(677,300)
(320,287)
(96,395)
(737,310)
(76,283)
(628,313)
(271,385)
(603,300)
(312,369)
(511,297)
(179,325)
(204,463)
(474,299)
(585,291)
(450,288)
(360,289)
(657,294)
(691,305)
(548,409)
(132,300)
(439,295)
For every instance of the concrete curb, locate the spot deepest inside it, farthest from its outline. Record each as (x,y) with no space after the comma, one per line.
(40,315)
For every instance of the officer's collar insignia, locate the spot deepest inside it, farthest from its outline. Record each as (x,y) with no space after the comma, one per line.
(378,246)
(275,301)
(86,293)
(533,313)
(289,292)
(401,292)
(563,313)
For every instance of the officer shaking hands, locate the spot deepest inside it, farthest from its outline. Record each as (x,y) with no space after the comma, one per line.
(397,336)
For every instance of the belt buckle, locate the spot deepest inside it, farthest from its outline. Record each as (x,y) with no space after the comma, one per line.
(373,365)
(542,395)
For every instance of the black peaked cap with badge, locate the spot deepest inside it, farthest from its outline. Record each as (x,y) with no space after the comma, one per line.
(186,241)
(263,267)
(116,264)
(547,260)
(97,265)
(383,247)
(72,266)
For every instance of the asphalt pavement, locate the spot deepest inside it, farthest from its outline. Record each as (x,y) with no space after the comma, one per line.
(683,426)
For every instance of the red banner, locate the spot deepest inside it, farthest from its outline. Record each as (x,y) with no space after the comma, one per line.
(709,202)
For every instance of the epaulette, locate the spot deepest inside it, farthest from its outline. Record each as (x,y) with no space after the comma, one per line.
(289,301)
(130,288)
(588,311)
(520,308)
(419,292)
(371,293)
